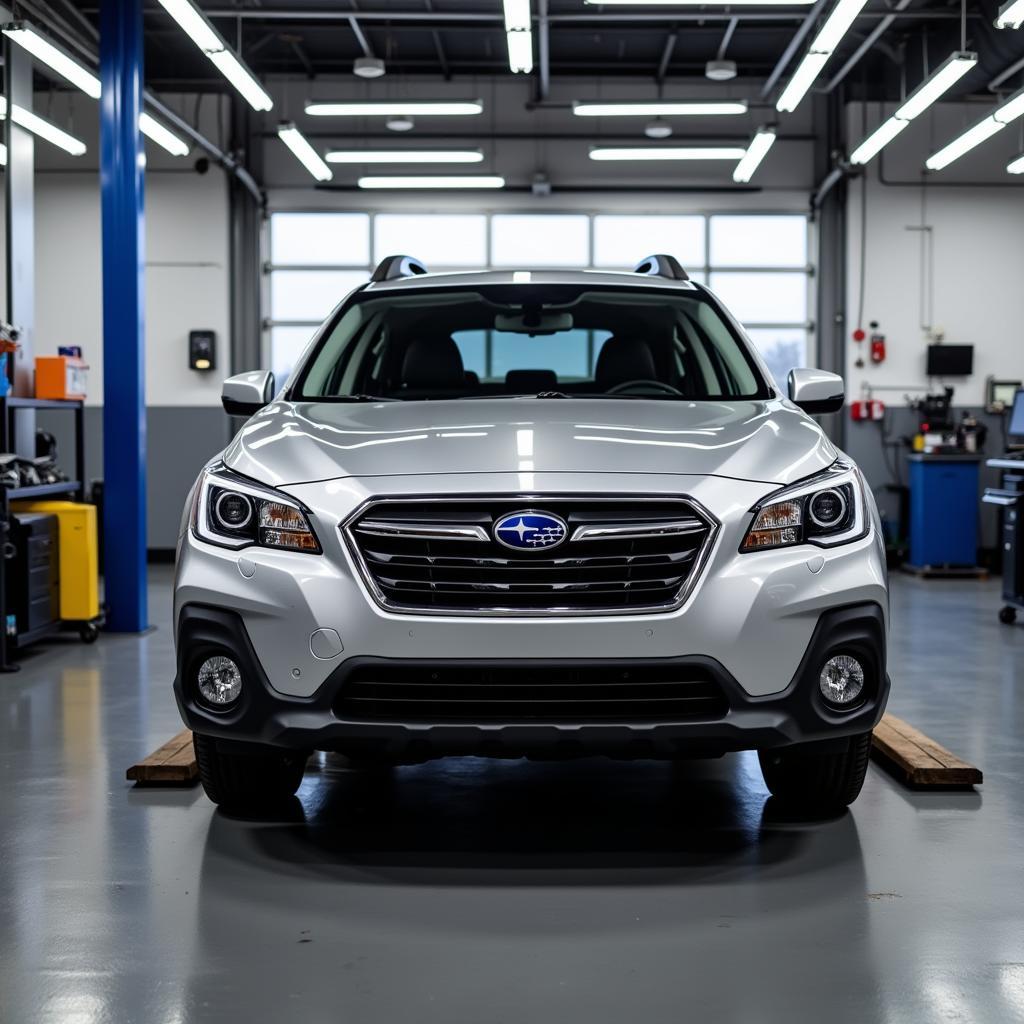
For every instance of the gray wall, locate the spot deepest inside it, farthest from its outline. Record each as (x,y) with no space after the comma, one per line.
(181,440)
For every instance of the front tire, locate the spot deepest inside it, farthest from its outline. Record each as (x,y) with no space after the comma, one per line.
(814,783)
(247,781)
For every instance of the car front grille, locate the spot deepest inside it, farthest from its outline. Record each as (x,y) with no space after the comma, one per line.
(552,692)
(440,556)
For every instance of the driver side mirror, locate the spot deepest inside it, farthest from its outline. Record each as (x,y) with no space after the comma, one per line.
(247,393)
(816,391)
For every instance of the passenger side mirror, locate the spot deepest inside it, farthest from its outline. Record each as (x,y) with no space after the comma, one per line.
(247,393)
(816,391)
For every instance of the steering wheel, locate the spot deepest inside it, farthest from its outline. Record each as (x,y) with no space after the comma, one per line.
(643,387)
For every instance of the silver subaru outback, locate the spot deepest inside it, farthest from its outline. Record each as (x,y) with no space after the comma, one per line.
(531,514)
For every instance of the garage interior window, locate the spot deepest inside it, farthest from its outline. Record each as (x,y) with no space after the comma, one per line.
(757,263)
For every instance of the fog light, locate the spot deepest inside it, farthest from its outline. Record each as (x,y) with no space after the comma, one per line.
(220,681)
(842,679)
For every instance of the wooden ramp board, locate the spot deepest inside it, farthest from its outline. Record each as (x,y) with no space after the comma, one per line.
(918,760)
(173,764)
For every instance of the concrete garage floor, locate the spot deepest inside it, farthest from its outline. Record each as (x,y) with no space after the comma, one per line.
(472,891)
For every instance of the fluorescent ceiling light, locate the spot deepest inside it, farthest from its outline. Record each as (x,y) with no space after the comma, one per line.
(3,155)
(438,181)
(43,50)
(762,141)
(837,24)
(803,78)
(154,130)
(520,51)
(517,15)
(659,108)
(194,25)
(669,153)
(417,108)
(878,140)
(303,151)
(829,36)
(939,82)
(44,129)
(404,156)
(242,79)
(206,37)
(964,143)
(978,133)
(952,69)
(1015,166)
(82,78)
(1011,15)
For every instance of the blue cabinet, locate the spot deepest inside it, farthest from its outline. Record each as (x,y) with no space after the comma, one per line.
(943,510)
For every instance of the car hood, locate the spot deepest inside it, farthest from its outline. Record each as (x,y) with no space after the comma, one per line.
(289,443)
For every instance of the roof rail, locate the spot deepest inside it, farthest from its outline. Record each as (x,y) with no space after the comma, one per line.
(391,268)
(660,265)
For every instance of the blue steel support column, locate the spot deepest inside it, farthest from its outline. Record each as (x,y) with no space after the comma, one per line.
(124,406)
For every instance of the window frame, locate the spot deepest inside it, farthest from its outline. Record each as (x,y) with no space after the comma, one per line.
(809,326)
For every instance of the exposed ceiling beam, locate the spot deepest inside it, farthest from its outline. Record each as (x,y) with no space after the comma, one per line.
(726,39)
(666,55)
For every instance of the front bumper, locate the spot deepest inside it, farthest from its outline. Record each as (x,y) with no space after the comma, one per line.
(796,714)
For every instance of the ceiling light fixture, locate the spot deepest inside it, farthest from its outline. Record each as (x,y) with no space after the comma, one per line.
(828,38)
(432,181)
(303,151)
(720,70)
(984,129)
(762,141)
(519,36)
(368,67)
(54,58)
(1016,165)
(3,155)
(194,24)
(82,78)
(1011,15)
(43,128)
(657,129)
(938,83)
(668,153)
(404,156)
(660,108)
(419,108)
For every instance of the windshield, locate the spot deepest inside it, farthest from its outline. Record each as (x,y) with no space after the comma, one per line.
(512,340)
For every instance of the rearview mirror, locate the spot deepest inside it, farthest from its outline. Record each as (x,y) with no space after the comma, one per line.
(816,391)
(247,393)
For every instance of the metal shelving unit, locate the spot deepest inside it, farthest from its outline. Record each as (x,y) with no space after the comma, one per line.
(8,406)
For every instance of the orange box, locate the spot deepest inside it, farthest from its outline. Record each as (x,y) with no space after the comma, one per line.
(60,377)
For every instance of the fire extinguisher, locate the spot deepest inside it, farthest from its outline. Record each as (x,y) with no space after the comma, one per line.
(877,344)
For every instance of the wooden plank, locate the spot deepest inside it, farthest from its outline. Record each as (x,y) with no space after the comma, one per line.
(917,759)
(174,763)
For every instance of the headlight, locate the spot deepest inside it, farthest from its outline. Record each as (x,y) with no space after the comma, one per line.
(826,509)
(234,513)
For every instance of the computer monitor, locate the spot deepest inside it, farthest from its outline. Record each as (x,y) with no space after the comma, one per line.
(950,360)
(1015,429)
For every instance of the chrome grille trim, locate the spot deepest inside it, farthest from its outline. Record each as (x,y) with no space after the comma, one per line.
(637,530)
(498,578)
(423,531)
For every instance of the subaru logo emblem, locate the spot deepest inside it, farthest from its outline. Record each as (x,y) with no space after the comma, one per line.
(530,531)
